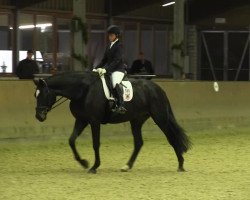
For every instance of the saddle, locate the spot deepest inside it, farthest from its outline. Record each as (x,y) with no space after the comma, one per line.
(125,85)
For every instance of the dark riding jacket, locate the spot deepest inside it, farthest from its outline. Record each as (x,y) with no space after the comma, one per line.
(26,69)
(113,58)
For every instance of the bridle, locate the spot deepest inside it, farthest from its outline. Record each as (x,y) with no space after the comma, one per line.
(49,107)
(60,103)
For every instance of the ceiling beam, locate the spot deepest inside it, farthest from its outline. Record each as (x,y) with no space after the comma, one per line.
(199,9)
(121,7)
(24,3)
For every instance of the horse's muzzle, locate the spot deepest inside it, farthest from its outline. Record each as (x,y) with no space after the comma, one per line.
(41,115)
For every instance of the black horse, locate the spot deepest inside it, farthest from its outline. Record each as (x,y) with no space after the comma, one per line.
(90,106)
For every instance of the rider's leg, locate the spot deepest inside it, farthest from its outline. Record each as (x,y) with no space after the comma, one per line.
(116,78)
(120,102)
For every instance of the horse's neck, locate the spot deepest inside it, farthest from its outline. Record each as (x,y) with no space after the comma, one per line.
(68,88)
(64,93)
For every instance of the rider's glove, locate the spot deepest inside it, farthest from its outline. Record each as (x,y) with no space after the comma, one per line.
(102,71)
(99,70)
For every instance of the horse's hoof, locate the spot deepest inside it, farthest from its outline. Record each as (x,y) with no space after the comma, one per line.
(92,171)
(84,163)
(181,169)
(125,168)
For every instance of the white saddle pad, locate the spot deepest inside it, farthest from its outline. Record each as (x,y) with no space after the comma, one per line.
(127,90)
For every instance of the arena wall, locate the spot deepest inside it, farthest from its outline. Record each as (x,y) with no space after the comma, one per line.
(196,105)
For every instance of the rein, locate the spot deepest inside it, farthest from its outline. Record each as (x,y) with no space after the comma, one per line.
(60,103)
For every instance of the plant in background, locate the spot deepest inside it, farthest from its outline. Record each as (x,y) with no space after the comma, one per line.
(76,26)
(179,47)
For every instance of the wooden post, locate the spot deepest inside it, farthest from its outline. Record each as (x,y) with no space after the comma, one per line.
(55,44)
(110,12)
(15,39)
(79,10)
(179,36)
(138,38)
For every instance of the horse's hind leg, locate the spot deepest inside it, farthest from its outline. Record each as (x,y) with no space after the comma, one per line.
(136,126)
(162,122)
(78,128)
(95,127)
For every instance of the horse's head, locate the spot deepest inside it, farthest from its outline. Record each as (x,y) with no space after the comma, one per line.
(45,99)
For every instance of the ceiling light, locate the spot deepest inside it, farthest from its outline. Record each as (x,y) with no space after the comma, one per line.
(43,26)
(26,26)
(168,4)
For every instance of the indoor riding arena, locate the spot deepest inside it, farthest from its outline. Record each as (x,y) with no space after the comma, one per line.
(189,65)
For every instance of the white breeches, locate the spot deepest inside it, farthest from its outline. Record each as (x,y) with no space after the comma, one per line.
(116,78)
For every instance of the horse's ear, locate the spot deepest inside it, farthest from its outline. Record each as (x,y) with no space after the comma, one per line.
(36,82)
(42,82)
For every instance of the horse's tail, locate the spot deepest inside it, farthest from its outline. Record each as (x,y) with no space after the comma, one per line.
(176,134)
(163,116)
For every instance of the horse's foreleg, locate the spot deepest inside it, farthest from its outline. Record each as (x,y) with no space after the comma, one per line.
(78,128)
(95,127)
(138,143)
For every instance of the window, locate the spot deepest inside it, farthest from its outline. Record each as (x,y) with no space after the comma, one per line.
(64,45)
(161,50)
(130,43)
(5,44)
(97,41)
(225,55)
(45,42)
(26,29)
(147,43)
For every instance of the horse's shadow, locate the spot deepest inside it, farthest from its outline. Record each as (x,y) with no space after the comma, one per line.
(109,171)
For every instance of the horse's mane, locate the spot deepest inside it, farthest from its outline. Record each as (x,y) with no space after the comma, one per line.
(73,74)
(72,78)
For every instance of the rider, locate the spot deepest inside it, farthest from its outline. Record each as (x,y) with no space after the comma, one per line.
(112,63)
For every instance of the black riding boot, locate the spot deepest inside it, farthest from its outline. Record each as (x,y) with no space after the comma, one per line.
(120,103)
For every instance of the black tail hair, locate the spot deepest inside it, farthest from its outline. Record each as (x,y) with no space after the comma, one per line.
(179,139)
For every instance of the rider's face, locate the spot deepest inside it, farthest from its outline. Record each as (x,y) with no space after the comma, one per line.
(112,37)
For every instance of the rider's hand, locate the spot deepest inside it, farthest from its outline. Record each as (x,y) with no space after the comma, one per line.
(102,71)
(94,70)
(99,70)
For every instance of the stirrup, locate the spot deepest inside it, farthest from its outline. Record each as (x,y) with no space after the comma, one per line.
(114,108)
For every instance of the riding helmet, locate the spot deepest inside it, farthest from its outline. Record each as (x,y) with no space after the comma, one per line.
(113,29)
